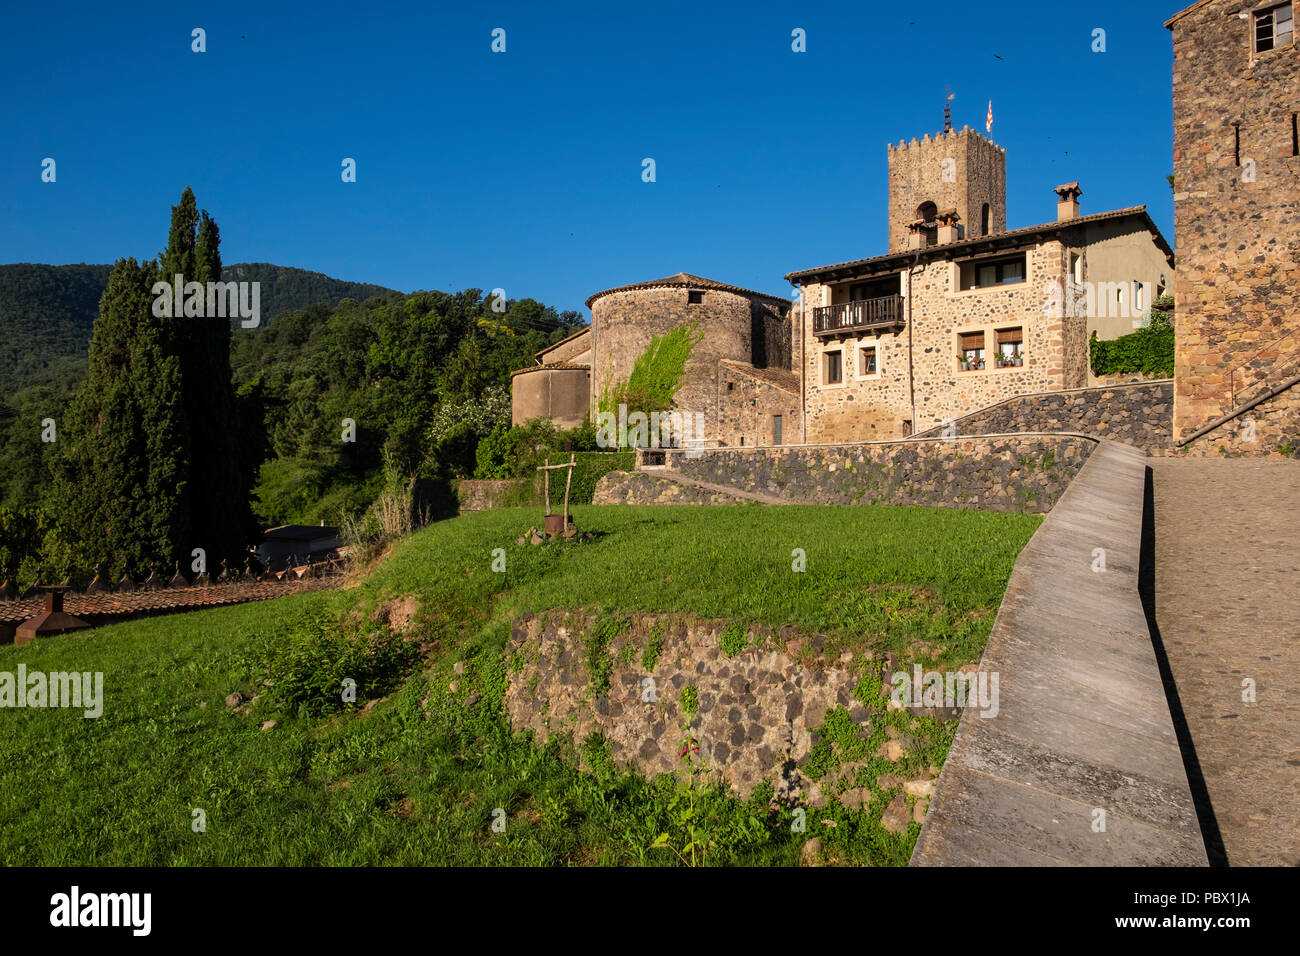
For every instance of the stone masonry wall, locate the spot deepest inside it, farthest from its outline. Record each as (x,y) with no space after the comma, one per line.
(916,175)
(1014,474)
(655,488)
(758,713)
(483,494)
(625,322)
(1139,415)
(745,406)
(865,408)
(1237,222)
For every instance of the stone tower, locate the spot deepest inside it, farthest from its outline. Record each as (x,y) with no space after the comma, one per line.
(1236,89)
(951,170)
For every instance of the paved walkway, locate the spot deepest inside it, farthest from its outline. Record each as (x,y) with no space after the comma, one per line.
(1082,723)
(1227,603)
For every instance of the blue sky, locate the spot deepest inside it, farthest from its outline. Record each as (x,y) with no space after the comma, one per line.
(522,170)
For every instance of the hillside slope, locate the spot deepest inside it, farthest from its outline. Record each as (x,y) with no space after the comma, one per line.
(47,312)
(417,767)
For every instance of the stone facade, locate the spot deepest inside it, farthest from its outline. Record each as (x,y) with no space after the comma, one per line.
(738,376)
(881,337)
(920,364)
(751,400)
(1008,474)
(954,170)
(1138,414)
(1236,160)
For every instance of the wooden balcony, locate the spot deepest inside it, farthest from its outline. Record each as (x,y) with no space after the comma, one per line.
(862,315)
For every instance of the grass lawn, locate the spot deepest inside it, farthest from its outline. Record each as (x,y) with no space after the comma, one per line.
(415,779)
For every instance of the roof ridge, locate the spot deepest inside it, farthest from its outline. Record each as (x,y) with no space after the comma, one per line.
(1139,210)
(684,280)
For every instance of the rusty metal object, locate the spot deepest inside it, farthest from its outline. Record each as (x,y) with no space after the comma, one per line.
(52,620)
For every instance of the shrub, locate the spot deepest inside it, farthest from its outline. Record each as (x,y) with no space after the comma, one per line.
(1148,351)
(306,674)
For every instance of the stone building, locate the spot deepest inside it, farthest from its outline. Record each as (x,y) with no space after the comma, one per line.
(558,386)
(1236,93)
(957,316)
(738,378)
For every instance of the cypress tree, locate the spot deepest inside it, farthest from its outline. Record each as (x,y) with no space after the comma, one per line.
(216,499)
(120,474)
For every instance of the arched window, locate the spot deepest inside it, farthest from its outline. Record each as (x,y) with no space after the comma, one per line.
(984,220)
(928,212)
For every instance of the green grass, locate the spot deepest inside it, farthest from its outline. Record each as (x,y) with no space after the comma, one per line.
(415,779)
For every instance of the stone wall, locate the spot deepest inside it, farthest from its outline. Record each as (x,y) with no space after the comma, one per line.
(657,488)
(748,398)
(1011,474)
(734,327)
(481,495)
(1237,221)
(1139,414)
(758,713)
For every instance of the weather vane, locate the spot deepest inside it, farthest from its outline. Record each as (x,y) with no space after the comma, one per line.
(947,110)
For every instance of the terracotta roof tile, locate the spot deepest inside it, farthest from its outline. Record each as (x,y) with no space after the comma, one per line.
(782,379)
(548,367)
(684,280)
(1010,237)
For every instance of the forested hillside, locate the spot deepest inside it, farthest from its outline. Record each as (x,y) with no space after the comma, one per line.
(423,376)
(47,312)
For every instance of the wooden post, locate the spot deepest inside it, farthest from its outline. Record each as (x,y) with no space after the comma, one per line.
(546,472)
(568,481)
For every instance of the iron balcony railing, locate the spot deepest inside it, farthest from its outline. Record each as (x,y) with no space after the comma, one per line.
(880,313)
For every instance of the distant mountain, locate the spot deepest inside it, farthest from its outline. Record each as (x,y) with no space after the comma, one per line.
(47,312)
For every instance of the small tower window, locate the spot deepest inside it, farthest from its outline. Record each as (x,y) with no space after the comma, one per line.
(694,297)
(984,220)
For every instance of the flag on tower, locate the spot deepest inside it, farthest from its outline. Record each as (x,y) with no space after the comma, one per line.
(988,123)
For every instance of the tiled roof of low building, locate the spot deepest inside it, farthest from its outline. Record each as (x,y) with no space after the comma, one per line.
(548,367)
(582,331)
(994,241)
(782,379)
(684,280)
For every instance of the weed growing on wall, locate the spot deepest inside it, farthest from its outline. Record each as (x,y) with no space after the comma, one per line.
(656,375)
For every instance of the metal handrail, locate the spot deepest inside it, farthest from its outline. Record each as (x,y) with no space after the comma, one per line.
(1274,366)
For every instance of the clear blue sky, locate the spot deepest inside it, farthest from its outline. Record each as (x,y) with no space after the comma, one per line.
(523,170)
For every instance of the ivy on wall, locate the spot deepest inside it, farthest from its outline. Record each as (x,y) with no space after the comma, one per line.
(1148,351)
(656,375)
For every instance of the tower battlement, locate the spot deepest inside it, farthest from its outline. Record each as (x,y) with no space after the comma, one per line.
(953,169)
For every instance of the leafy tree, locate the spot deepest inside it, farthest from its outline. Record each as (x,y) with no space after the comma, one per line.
(121,473)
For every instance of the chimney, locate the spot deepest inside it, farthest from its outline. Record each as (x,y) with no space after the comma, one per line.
(949,228)
(917,235)
(1067,203)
